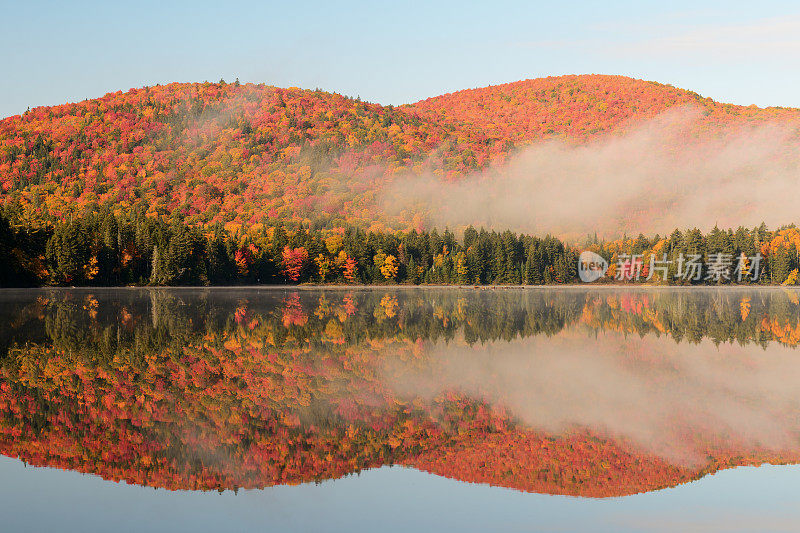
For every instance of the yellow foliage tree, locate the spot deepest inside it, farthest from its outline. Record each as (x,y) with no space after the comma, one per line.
(334,244)
(390,267)
(461,267)
(324,266)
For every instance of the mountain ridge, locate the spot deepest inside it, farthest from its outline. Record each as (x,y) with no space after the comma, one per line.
(244,154)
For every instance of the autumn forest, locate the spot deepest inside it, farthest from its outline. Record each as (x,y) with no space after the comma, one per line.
(229,183)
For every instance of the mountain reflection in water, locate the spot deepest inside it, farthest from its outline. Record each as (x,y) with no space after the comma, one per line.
(591,392)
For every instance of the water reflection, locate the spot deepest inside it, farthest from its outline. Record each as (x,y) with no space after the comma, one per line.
(568,391)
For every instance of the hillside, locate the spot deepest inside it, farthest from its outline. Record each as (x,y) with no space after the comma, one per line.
(238,155)
(576,107)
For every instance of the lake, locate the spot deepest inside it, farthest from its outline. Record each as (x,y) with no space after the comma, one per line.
(397,409)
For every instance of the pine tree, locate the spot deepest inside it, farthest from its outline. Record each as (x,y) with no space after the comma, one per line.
(156,277)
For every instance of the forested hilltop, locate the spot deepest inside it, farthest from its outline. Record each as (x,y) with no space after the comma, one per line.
(236,154)
(105,249)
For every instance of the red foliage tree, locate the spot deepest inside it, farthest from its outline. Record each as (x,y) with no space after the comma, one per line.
(294,259)
(349,271)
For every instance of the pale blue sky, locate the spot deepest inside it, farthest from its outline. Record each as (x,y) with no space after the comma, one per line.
(395,52)
(395,500)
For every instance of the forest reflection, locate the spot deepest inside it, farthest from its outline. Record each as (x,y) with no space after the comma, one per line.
(593,392)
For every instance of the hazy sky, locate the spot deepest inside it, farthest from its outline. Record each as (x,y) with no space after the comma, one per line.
(395,52)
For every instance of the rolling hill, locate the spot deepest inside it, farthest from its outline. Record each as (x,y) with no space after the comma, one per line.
(241,154)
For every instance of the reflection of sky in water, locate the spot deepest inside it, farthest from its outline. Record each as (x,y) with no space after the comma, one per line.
(394,499)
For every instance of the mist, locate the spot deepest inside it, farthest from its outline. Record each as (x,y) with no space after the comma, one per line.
(670,399)
(678,170)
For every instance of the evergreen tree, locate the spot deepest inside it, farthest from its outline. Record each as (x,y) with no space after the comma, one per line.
(68,254)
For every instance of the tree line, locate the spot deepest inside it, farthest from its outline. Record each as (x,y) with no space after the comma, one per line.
(111,249)
(106,249)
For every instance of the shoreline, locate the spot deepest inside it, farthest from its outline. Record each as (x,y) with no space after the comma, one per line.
(313,287)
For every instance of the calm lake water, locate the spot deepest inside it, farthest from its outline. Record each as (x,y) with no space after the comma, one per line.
(567,409)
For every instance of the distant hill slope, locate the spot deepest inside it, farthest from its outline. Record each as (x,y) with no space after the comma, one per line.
(245,154)
(575,107)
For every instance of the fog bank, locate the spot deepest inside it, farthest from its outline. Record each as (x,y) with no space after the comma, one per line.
(673,171)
